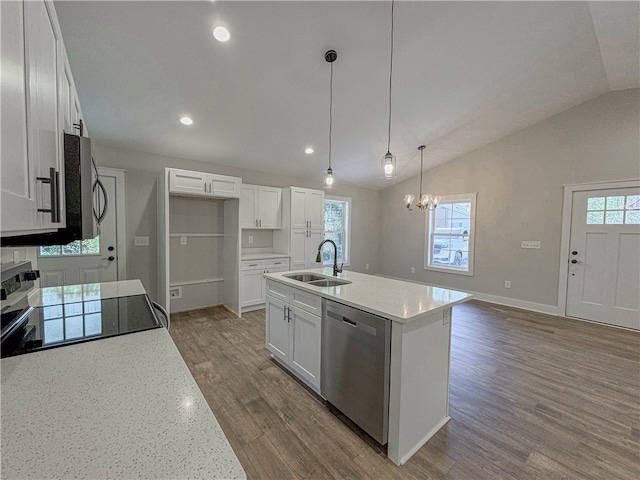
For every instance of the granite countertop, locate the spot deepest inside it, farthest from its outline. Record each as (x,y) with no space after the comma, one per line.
(122,407)
(396,300)
(88,291)
(263,256)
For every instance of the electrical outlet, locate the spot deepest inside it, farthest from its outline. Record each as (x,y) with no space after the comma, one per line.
(183,240)
(530,244)
(175,292)
(250,239)
(413,269)
(507,284)
(366,266)
(141,241)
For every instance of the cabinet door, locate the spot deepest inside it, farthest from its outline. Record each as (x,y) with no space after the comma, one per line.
(251,289)
(19,210)
(277,329)
(248,206)
(270,208)
(315,208)
(305,347)
(299,249)
(223,186)
(193,183)
(313,240)
(44,136)
(298,208)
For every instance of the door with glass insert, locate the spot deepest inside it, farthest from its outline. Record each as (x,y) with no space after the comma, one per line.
(604,262)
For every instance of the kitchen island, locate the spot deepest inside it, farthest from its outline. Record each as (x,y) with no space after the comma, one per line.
(120,407)
(420,340)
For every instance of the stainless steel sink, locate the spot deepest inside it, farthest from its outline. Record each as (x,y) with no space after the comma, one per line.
(305,277)
(329,282)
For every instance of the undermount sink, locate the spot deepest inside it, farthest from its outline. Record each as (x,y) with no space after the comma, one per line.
(316,280)
(329,282)
(305,277)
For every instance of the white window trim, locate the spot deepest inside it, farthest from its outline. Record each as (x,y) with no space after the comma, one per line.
(347,238)
(472,235)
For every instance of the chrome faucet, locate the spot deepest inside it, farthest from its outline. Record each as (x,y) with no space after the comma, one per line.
(336,269)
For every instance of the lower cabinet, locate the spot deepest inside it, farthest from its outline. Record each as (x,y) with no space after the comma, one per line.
(252,286)
(293,333)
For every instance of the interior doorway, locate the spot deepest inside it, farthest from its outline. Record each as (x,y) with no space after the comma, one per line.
(101,259)
(600,260)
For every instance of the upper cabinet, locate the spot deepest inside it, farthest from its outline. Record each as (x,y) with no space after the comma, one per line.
(203,184)
(260,207)
(307,208)
(33,106)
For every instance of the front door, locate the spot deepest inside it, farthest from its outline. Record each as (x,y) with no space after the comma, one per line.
(85,261)
(604,260)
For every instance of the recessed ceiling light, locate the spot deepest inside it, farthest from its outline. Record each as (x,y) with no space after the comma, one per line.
(221,34)
(186,120)
(308,150)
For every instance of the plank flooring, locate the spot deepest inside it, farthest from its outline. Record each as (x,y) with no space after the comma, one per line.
(531,396)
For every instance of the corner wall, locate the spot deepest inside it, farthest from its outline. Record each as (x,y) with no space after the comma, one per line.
(519,183)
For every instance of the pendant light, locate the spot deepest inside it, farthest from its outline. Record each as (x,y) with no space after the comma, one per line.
(389,160)
(330,56)
(426,201)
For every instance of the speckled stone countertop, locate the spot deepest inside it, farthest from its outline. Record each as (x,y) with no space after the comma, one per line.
(122,407)
(87,291)
(393,299)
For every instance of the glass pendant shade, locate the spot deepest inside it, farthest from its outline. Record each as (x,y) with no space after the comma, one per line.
(389,166)
(408,201)
(328,178)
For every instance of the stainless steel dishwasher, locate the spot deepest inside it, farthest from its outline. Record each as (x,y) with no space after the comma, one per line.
(354,376)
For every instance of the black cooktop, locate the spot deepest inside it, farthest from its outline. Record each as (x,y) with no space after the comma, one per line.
(40,328)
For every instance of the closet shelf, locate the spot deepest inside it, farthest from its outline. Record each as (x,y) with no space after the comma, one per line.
(196,282)
(196,234)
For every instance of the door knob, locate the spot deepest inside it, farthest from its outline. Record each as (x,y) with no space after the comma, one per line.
(574,253)
(110,248)
(575,261)
(111,259)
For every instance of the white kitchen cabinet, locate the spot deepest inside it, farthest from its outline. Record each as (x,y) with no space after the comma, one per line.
(252,285)
(260,207)
(293,330)
(203,184)
(19,210)
(307,208)
(32,145)
(304,248)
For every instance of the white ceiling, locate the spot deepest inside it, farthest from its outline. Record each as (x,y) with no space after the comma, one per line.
(465,74)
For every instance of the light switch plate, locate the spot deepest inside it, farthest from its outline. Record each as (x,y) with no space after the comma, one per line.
(141,241)
(183,240)
(530,244)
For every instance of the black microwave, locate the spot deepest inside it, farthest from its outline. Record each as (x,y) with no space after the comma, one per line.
(84,194)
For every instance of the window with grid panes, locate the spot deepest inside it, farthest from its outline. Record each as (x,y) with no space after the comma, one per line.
(336,228)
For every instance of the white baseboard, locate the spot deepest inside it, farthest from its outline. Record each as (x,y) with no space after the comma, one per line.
(506,301)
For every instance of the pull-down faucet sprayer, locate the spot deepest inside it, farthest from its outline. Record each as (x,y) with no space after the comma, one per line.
(336,269)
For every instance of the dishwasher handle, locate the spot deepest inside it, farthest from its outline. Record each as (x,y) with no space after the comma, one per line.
(349,322)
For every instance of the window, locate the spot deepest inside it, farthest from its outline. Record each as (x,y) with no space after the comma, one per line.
(79,247)
(337,225)
(450,235)
(613,210)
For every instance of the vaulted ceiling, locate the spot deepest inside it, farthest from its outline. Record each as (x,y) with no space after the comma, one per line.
(464,74)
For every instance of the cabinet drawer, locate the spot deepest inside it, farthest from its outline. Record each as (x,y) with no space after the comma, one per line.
(276,263)
(252,265)
(277,290)
(308,302)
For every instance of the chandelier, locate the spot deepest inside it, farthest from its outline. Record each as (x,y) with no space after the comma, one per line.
(425,201)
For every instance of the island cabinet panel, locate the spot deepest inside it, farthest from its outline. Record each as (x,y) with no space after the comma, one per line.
(305,342)
(293,332)
(419,376)
(277,329)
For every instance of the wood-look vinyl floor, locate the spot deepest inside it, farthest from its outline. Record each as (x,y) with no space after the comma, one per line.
(531,396)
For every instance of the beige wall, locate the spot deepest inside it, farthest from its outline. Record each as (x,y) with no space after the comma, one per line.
(519,183)
(142,174)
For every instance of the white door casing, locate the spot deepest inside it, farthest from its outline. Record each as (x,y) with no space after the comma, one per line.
(77,269)
(602,253)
